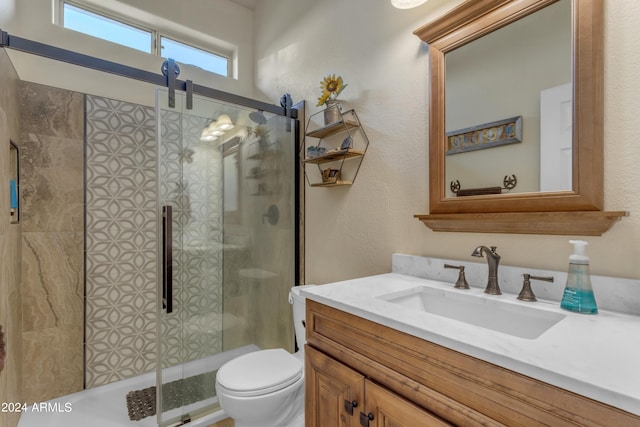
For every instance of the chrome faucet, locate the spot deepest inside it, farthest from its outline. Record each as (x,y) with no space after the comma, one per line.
(493,259)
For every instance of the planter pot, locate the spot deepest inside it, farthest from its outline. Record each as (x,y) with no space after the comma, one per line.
(333,112)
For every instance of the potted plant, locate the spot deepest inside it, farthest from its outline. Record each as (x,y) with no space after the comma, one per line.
(331,87)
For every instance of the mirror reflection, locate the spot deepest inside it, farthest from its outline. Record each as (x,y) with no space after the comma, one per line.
(508,108)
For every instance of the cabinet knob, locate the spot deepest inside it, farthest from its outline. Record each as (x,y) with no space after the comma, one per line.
(365,418)
(348,406)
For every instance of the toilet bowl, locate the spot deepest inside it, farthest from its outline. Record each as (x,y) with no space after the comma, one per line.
(266,388)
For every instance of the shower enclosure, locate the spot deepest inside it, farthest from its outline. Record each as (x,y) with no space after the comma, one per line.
(191,243)
(226,198)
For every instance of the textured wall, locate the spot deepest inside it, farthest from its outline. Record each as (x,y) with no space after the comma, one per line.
(10,247)
(352,231)
(52,222)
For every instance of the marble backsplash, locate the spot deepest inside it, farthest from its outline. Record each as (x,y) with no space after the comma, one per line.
(612,293)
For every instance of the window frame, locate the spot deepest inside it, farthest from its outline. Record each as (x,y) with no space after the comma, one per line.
(156,34)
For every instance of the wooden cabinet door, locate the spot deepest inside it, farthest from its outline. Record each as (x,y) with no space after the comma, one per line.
(330,389)
(387,409)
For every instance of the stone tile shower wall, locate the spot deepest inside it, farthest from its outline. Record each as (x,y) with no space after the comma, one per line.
(121,255)
(10,236)
(51,147)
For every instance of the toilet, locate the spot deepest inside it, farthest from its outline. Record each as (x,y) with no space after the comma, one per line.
(266,388)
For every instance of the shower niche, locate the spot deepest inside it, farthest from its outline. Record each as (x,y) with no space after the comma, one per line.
(14,183)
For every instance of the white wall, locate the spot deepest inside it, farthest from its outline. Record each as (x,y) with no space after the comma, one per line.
(195,21)
(352,231)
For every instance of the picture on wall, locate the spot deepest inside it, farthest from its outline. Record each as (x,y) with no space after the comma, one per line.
(488,135)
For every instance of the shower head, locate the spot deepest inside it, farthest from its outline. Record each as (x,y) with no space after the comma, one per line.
(258,117)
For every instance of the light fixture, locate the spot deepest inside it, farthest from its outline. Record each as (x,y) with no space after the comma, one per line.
(224,122)
(206,136)
(210,132)
(215,129)
(406,4)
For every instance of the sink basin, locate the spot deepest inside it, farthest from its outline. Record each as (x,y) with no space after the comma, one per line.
(478,310)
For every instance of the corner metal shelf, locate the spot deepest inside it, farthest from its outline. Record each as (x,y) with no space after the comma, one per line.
(333,156)
(334,128)
(350,125)
(332,184)
(263,153)
(261,174)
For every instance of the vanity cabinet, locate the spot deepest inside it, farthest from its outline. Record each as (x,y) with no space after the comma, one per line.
(337,395)
(338,149)
(402,380)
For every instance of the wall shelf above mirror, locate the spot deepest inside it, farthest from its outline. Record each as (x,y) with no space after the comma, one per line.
(467,94)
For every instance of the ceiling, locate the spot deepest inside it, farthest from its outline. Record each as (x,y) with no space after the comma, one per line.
(251,4)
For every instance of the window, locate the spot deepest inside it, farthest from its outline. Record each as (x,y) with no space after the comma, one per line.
(116,30)
(105,28)
(191,55)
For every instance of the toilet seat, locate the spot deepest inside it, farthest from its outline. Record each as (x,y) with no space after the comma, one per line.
(260,372)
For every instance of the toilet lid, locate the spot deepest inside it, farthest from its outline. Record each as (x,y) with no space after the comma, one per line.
(260,372)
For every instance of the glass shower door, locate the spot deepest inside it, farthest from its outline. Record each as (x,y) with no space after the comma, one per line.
(226,204)
(190,319)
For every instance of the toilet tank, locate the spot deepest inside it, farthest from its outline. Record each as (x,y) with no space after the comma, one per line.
(299,305)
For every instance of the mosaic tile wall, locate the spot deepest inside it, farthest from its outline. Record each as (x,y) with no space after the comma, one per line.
(121,240)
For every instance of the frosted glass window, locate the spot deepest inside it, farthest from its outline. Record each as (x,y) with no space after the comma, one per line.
(192,55)
(95,25)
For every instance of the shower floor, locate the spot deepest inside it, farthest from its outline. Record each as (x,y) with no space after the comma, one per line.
(106,406)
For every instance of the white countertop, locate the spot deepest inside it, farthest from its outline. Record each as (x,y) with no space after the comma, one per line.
(597,356)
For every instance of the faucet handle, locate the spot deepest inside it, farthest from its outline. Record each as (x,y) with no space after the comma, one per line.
(462,280)
(526,294)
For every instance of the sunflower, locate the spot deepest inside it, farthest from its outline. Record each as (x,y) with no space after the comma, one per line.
(331,87)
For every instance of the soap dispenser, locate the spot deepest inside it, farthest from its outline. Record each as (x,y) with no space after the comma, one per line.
(578,294)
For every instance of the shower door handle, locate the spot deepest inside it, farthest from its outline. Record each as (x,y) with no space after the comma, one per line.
(167,260)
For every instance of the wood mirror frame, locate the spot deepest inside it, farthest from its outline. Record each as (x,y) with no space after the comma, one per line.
(576,212)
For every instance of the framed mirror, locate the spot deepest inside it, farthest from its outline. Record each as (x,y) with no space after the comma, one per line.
(508,104)
(475,27)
